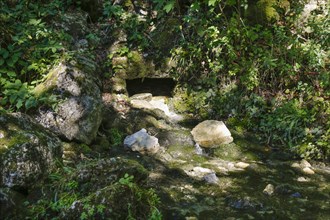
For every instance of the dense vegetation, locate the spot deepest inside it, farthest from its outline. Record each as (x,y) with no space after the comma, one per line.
(262,65)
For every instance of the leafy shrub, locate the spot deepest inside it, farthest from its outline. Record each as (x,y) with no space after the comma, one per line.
(27,50)
(116,137)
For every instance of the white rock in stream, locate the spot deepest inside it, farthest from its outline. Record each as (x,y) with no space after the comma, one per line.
(211,133)
(136,103)
(242,165)
(303,179)
(211,178)
(157,102)
(142,96)
(308,171)
(198,172)
(142,142)
(269,190)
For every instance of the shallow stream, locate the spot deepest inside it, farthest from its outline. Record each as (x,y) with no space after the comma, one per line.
(241,180)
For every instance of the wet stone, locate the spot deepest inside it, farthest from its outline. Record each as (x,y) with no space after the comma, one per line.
(269,190)
(211,134)
(296,195)
(142,142)
(142,96)
(303,179)
(198,149)
(242,165)
(305,163)
(308,171)
(283,189)
(211,178)
(245,203)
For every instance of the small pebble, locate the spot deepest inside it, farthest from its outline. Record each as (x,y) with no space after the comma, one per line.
(304,163)
(269,190)
(211,178)
(302,179)
(295,165)
(308,171)
(296,195)
(242,165)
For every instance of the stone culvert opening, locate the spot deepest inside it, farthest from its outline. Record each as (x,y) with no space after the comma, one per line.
(155,86)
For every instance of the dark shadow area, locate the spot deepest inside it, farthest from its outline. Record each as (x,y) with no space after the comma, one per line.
(155,86)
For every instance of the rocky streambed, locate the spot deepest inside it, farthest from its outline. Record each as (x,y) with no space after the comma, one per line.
(193,177)
(238,179)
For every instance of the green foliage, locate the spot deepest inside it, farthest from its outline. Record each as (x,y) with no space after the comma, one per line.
(195,102)
(15,94)
(265,78)
(72,198)
(27,50)
(116,137)
(152,198)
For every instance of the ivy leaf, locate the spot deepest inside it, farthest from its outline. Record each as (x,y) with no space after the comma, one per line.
(231,2)
(34,22)
(212,2)
(19,103)
(12,98)
(169,6)
(195,6)
(10,62)
(4,53)
(31,102)
(10,73)
(2,61)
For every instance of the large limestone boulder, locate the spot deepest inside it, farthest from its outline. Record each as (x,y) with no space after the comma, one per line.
(142,142)
(28,151)
(211,133)
(78,114)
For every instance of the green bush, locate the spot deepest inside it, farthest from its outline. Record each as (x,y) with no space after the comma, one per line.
(28,48)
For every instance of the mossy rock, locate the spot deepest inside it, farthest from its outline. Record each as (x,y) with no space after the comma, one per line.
(265,11)
(132,66)
(28,151)
(78,113)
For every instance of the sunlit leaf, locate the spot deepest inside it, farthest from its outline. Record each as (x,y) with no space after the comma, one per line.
(34,21)
(10,74)
(4,53)
(19,103)
(212,2)
(169,6)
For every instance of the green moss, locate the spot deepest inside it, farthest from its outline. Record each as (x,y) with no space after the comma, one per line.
(233,152)
(49,82)
(199,159)
(137,66)
(265,11)
(12,139)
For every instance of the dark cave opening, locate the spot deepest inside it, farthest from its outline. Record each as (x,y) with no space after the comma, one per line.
(155,86)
